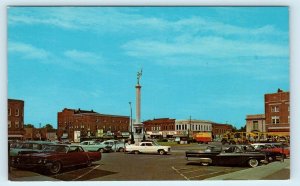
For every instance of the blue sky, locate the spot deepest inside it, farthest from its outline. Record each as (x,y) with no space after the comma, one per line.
(210,63)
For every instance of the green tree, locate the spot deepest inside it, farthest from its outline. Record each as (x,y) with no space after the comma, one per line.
(28,126)
(48,126)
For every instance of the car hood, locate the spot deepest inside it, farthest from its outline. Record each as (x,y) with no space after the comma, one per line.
(40,155)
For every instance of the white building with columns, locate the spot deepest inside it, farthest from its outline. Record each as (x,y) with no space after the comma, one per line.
(183,127)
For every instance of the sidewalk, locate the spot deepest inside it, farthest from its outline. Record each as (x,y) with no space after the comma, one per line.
(273,171)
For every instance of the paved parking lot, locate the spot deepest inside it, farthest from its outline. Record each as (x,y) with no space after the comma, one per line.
(123,167)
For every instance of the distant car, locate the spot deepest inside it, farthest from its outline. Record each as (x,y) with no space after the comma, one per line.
(115,145)
(231,155)
(56,157)
(93,146)
(148,147)
(28,147)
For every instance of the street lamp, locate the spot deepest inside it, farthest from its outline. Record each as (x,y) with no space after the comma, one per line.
(131,133)
(189,128)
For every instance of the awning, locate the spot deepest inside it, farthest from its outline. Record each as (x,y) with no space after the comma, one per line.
(279,133)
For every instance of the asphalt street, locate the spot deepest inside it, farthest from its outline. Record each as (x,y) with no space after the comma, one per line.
(118,166)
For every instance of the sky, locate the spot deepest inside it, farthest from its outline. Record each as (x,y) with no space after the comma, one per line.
(210,63)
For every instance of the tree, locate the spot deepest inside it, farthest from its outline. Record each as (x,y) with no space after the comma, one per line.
(28,126)
(48,126)
(243,129)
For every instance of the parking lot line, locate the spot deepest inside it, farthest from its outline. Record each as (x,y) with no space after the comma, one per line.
(205,174)
(192,171)
(180,173)
(85,173)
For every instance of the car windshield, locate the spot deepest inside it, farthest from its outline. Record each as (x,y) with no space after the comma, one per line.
(55,148)
(155,143)
(248,148)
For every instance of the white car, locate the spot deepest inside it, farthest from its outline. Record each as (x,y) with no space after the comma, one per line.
(115,145)
(148,147)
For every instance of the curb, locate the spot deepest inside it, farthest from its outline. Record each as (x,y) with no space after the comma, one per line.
(257,173)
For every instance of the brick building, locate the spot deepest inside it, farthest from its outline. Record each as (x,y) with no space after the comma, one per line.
(15,119)
(160,127)
(72,124)
(218,130)
(256,123)
(277,112)
(32,133)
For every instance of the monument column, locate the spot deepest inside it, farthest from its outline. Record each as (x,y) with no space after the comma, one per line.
(138,103)
(138,126)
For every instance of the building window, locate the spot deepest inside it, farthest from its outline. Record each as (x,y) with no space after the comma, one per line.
(17,112)
(275,109)
(9,124)
(288,119)
(255,125)
(275,119)
(17,124)
(9,112)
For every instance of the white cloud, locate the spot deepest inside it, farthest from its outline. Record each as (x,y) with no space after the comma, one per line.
(107,19)
(214,47)
(83,57)
(27,51)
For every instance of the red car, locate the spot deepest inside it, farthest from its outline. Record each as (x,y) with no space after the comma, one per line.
(56,157)
(280,148)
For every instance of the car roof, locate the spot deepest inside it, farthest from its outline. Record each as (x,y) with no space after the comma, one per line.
(39,142)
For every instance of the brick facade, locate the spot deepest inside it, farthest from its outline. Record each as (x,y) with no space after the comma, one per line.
(90,124)
(15,119)
(160,127)
(277,111)
(218,130)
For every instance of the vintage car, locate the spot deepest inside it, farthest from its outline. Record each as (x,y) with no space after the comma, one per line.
(232,155)
(93,146)
(28,147)
(56,157)
(116,145)
(277,149)
(148,147)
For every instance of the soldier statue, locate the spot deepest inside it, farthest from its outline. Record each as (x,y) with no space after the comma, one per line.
(139,75)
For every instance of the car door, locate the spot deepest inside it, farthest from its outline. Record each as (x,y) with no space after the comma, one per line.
(228,157)
(143,148)
(75,156)
(151,148)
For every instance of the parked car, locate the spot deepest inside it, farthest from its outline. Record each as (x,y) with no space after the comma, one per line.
(231,155)
(116,145)
(279,149)
(56,157)
(28,147)
(148,147)
(95,146)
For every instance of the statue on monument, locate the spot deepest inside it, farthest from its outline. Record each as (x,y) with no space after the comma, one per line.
(139,75)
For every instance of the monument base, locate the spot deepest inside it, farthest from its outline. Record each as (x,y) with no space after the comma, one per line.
(138,133)
(138,138)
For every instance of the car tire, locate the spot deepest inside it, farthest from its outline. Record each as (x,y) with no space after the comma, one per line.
(136,152)
(121,149)
(89,163)
(270,159)
(101,150)
(253,162)
(161,152)
(55,167)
